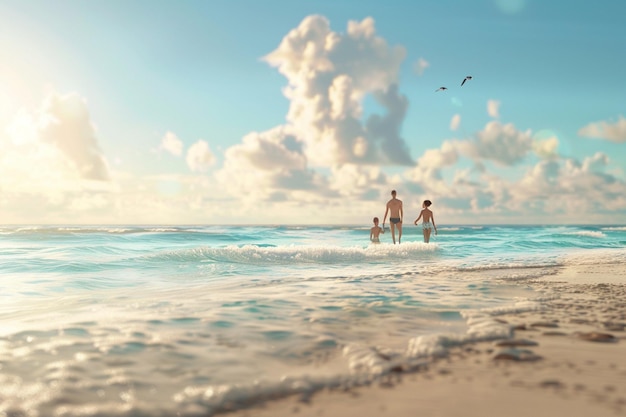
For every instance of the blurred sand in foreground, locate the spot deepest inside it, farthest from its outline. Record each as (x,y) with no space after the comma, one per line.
(567,360)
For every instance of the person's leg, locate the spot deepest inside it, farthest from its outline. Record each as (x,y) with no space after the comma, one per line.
(400,232)
(393,232)
(427,235)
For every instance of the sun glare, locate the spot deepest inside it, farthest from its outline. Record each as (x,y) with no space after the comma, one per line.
(18,91)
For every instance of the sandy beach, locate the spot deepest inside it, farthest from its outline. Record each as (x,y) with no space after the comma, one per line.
(568,358)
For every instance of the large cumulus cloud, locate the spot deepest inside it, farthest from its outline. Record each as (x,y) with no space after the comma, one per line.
(329,75)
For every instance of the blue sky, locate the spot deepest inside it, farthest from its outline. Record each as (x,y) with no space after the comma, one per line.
(178,112)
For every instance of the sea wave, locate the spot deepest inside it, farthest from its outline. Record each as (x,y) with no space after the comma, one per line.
(587,233)
(269,254)
(615,228)
(69,230)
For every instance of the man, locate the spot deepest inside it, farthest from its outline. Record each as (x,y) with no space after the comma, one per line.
(394,207)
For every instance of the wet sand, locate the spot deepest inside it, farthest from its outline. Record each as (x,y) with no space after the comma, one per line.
(567,359)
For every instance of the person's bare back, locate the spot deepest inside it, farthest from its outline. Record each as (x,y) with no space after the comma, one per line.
(427,215)
(428,220)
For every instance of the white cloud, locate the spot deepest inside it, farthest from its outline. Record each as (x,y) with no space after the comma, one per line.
(500,143)
(170,143)
(540,178)
(364,182)
(64,122)
(273,150)
(493,108)
(573,190)
(329,76)
(447,155)
(199,156)
(360,146)
(595,163)
(265,164)
(426,175)
(420,66)
(455,122)
(343,100)
(465,177)
(615,132)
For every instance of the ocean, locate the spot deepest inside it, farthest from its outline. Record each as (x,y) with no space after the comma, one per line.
(196,320)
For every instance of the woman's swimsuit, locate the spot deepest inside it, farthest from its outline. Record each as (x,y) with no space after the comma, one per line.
(427,226)
(394,220)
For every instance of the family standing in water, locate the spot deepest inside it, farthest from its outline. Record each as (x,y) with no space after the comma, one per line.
(396,214)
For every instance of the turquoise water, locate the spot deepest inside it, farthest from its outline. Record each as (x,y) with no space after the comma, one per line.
(136,320)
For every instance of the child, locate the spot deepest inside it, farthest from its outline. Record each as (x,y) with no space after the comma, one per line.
(376,231)
(428,221)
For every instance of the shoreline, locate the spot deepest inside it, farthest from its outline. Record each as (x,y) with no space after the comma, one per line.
(565,359)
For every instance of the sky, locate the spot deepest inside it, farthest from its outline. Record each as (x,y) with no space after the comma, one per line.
(311,112)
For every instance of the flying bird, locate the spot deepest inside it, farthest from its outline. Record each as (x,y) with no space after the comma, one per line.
(441,89)
(469,77)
